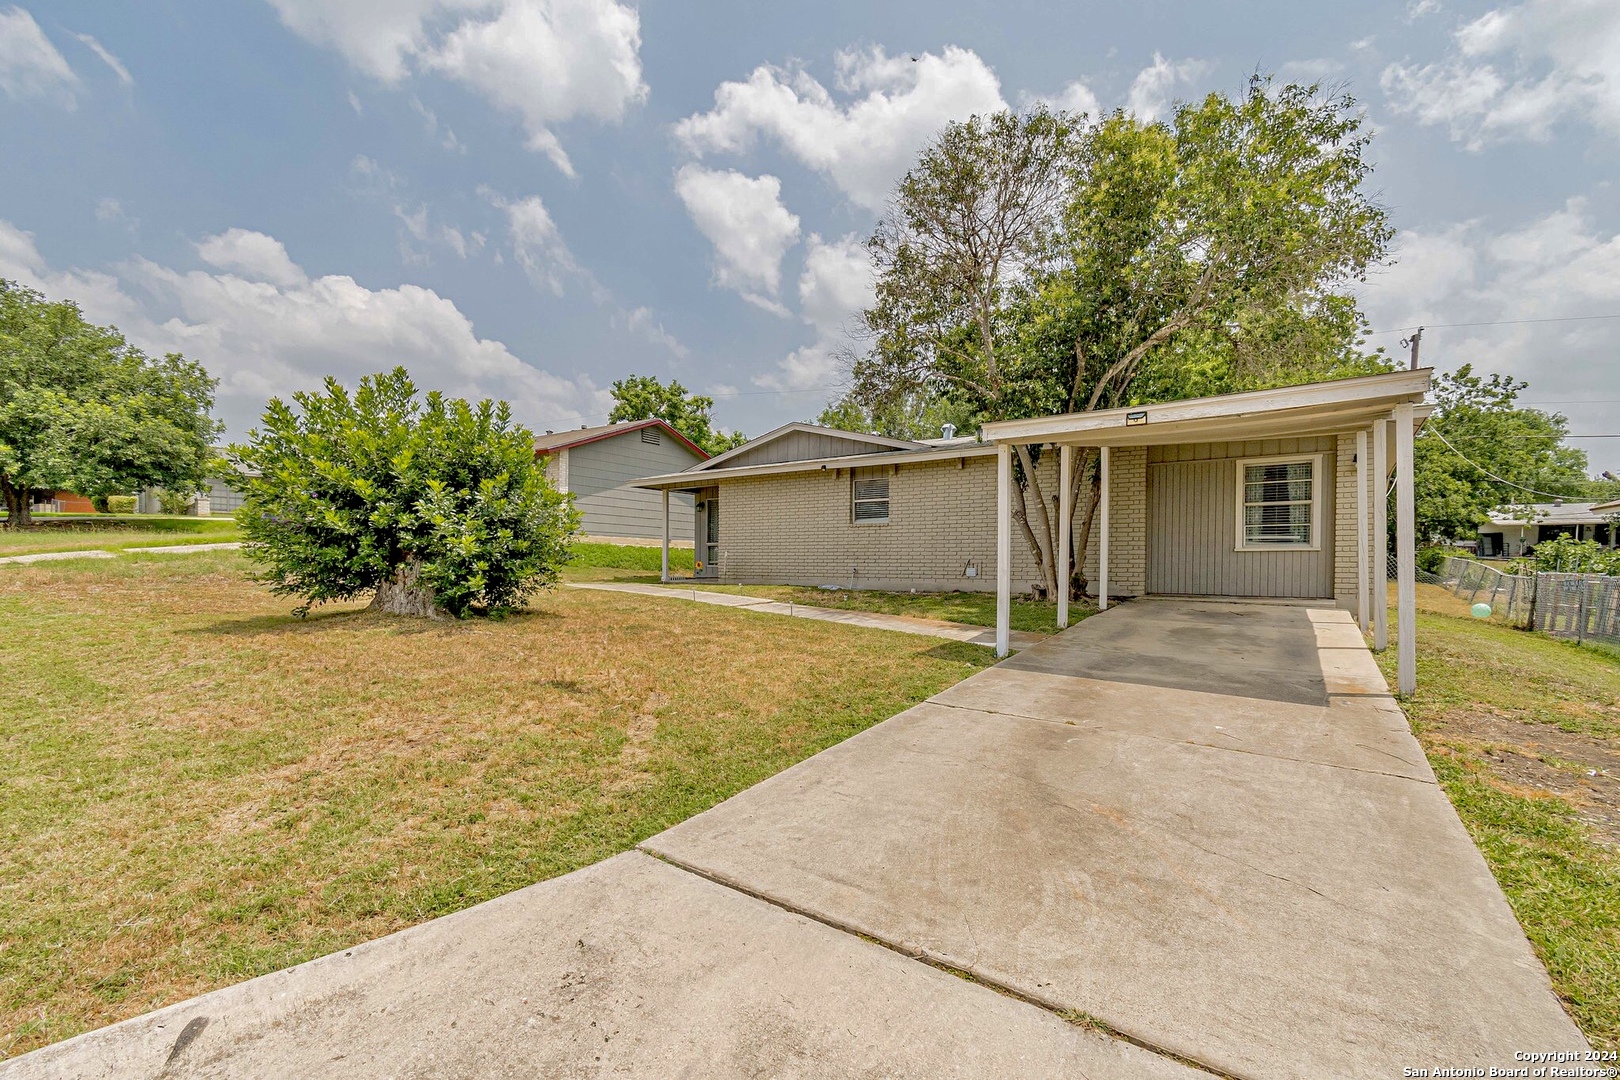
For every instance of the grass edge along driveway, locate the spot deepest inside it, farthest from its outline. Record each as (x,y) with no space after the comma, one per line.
(1521,731)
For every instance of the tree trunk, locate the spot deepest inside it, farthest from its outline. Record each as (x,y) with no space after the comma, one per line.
(404,593)
(18,513)
(1038,532)
(1083,537)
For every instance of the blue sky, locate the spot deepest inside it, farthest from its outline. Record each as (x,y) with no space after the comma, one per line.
(531,198)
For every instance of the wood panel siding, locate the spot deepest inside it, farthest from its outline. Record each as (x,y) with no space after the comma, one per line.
(804,446)
(598,472)
(1192,524)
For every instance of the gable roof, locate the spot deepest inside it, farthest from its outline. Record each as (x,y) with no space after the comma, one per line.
(562,440)
(878,442)
(1548,513)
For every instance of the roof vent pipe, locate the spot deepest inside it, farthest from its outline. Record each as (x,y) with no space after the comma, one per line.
(948,431)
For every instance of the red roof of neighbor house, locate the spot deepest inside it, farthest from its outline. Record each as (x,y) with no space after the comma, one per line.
(563,440)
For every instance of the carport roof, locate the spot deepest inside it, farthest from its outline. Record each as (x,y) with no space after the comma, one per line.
(1287,412)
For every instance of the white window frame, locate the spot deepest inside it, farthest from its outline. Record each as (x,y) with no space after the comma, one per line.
(855,478)
(1318,463)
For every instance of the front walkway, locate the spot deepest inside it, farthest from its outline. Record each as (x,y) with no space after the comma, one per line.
(905,624)
(1202,827)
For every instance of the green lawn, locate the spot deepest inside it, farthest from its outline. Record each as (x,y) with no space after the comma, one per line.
(112,532)
(975,609)
(197,788)
(1524,734)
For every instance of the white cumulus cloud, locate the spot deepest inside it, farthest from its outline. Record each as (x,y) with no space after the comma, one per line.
(1153,90)
(1516,71)
(835,286)
(537,243)
(891,107)
(262,337)
(1561,266)
(743,217)
(547,61)
(30,66)
(253,255)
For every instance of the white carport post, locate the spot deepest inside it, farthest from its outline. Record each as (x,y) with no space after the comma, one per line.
(1380,526)
(1405,555)
(1102,541)
(1065,525)
(1003,549)
(1363,584)
(664,575)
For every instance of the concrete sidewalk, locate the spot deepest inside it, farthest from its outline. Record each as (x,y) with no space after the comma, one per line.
(102,553)
(905,624)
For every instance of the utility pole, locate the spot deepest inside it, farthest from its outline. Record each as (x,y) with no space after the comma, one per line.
(1417,336)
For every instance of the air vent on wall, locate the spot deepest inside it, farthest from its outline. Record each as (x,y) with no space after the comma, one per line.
(652,436)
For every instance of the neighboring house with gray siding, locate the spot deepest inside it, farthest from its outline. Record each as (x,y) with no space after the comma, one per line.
(598,464)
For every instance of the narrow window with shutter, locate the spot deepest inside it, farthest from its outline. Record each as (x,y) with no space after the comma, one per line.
(871,502)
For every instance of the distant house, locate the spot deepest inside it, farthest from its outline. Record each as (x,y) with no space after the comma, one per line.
(1513,530)
(598,464)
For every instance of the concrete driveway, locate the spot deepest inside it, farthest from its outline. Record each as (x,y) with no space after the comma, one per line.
(1206,825)
(1180,835)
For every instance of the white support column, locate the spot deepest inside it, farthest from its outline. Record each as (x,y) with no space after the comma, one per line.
(664,574)
(1363,584)
(1405,555)
(1102,543)
(1003,549)
(1380,525)
(1065,525)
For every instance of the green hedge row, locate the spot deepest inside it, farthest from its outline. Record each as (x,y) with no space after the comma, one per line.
(628,557)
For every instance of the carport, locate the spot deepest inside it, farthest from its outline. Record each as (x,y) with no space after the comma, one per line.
(1277,494)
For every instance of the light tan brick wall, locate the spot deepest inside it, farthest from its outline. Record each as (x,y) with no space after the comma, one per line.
(1344,523)
(1127,524)
(795,528)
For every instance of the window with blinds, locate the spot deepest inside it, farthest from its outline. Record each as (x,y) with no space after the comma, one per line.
(1277,503)
(871,505)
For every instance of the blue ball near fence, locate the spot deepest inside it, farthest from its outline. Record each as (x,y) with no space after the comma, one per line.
(1481,611)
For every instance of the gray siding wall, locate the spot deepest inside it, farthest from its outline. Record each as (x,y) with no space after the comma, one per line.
(1192,524)
(598,475)
(803,446)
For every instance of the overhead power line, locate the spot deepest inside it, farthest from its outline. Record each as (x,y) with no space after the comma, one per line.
(1493,322)
(1500,480)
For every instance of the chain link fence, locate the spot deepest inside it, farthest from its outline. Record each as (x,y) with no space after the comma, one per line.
(1580,607)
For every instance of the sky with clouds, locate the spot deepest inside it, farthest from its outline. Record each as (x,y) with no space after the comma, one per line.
(531,198)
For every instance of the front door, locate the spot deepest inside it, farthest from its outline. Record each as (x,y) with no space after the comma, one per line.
(708,536)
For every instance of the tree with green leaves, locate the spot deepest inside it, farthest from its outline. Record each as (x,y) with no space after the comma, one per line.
(1481,450)
(83,410)
(644,397)
(1037,264)
(909,416)
(427,505)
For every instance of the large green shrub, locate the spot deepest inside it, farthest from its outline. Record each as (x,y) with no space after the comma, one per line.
(1566,555)
(427,505)
(174,502)
(120,504)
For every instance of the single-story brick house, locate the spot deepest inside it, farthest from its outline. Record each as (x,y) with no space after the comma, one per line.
(598,464)
(1263,494)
